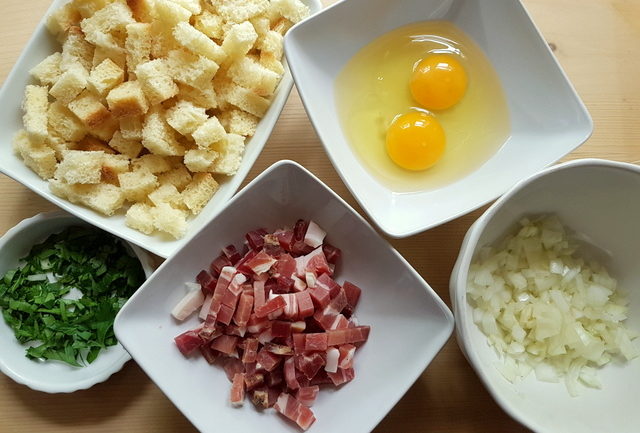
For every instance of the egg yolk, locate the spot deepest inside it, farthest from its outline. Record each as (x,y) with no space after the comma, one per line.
(415,141)
(438,82)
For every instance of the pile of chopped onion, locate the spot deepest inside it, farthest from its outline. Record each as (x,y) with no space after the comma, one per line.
(547,310)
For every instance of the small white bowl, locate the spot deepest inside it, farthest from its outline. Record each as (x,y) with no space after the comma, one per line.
(52,377)
(548,120)
(43,44)
(409,322)
(598,200)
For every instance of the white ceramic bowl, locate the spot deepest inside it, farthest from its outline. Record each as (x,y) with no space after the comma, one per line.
(51,377)
(596,199)
(409,322)
(548,120)
(43,44)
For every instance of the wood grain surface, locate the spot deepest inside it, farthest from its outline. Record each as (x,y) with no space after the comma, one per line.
(598,44)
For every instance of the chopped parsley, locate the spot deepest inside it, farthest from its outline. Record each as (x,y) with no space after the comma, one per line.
(65,294)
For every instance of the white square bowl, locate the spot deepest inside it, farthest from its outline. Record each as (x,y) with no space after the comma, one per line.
(409,322)
(548,120)
(42,44)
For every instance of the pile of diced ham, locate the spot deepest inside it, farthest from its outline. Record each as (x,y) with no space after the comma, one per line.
(276,320)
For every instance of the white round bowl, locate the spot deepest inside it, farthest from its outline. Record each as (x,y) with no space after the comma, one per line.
(599,201)
(52,377)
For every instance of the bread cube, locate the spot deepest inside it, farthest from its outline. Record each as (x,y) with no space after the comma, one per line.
(159,137)
(105,77)
(204,96)
(142,10)
(93,144)
(136,185)
(70,84)
(37,156)
(246,100)
(230,151)
(103,197)
(199,191)
(191,69)
(88,108)
(167,193)
(98,28)
(152,163)
(199,160)
(169,220)
(251,75)
(131,127)
(130,148)
(239,122)
(89,7)
(178,177)
(79,166)
(241,10)
(282,26)
(261,24)
(117,56)
(64,123)
(62,19)
(105,130)
(239,40)
(112,166)
(48,70)
(139,217)
(76,50)
(35,106)
(209,132)
(269,61)
(185,117)
(170,13)
(197,42)
(59,145)
(210,24)
(272,43)
(293,10)
(138,45)
(156,81)
(127,100)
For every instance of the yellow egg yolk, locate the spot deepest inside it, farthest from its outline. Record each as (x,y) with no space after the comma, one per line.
(438,82)
(415,141)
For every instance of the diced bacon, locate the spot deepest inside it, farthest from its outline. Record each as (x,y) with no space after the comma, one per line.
(316,342)
(321,378)
(232,366)
(250,354)
(242,264)
(331,253)
(226,275)
(225,343)
(290,310)
(270,306)
(188,304)
(207,282)
(265,336)
(314,235)
(305,304)
(271,286)
(333,356)
(237,390)
(285,238)
(220,262)
(275,314)
(278,349)
(232,254)
(340,322)
(298,326)
(257,324)
(290,373)
(346,355)
(301,266)
(280,329)
(260,263)
(319,296)
(310,279)
(353,322)
(306,395)
(292,409)
(299,229)
(352,293)
(235,330)
(208,353)
(188,341)
(229,298)
(235,286)
(243,310)
(338,303)
(299,342)
(258,294)
(275,378)
(329,284)
(255,238)
(316,262)
(265,397)
(268,360)
(309,363)
(338,337)
(253,380)
(298,284)
(285,266)
(206,306)
(343,375)
(225,314)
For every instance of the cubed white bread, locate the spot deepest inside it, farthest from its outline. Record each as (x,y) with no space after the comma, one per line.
(59,145)
(247,100)
(169,220)
(197,42)
(89,7)
(209,133)
(239,40)
(37,156)
(178,177)
(192,6)
(139,217)
(239,122)
(282,26)
(293,10)
(105,77)
(167,193)
(261,24)
(64,123)
(70,84)
(253,76)
(98,28)
(112,166)
(131,127)
(62,19)
(76,50)
(136,185)
(230,152)
(170,13)
(241,10)
(93,144)
(102,197)
(105,130)
(271,62)
(152,163)
(79,166)
(191,69)
(272,43)
(35,106)
(200,160)
(159,137)
(117,56)
(157,83)
(142,10)
(199,191)
(48,71)
(130,148)
(185,117)
(203,96)
(210,24)
(127,100)
(88,108)
(138,45)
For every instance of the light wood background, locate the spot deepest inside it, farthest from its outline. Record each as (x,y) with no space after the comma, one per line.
(598,44)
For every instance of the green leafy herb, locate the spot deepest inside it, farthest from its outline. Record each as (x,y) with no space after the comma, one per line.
(38,301)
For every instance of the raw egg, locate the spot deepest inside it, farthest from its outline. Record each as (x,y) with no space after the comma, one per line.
(421,106)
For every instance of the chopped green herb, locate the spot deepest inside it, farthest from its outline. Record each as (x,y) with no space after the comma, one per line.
(39,299)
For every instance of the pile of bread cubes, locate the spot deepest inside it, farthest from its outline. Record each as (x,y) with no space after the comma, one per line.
(150,100)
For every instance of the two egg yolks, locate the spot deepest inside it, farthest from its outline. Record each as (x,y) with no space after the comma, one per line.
(416,141)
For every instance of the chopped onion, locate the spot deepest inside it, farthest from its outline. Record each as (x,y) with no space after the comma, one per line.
(547,310)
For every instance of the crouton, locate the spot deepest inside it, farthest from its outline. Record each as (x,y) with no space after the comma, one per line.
(105,130)
(64,123)
(204,96)
(79,166)
(59,145)
(130,148)
(139,218)
(131,128)
(93,144)
(246,100)
(88,108)
(239,122)
(185,117)
(199,191)
(169,220)
(112,166)
(156,81)
(239,40)
(272,43)
(209,132)
(62,19)
(178,177)
(192,6)
(191,69)
(127,100)
(87,8)
(241,10)
(197,42)
(200,160)
(138,45)
(152,163)
(76,50)
(230,152)
(103,197)
(293,10)
(159,137)
(37,156)
(142,10)
(261,24)
(167,193)
(209,24)
(105,77)
(48,71)
(170,13)
(136,185)
(269,61)
(117,56)
(251,75)
(282,26)
(98,28)
(35,106)
(70,84)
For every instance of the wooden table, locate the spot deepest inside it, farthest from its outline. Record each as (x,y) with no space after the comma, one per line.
(598,44)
